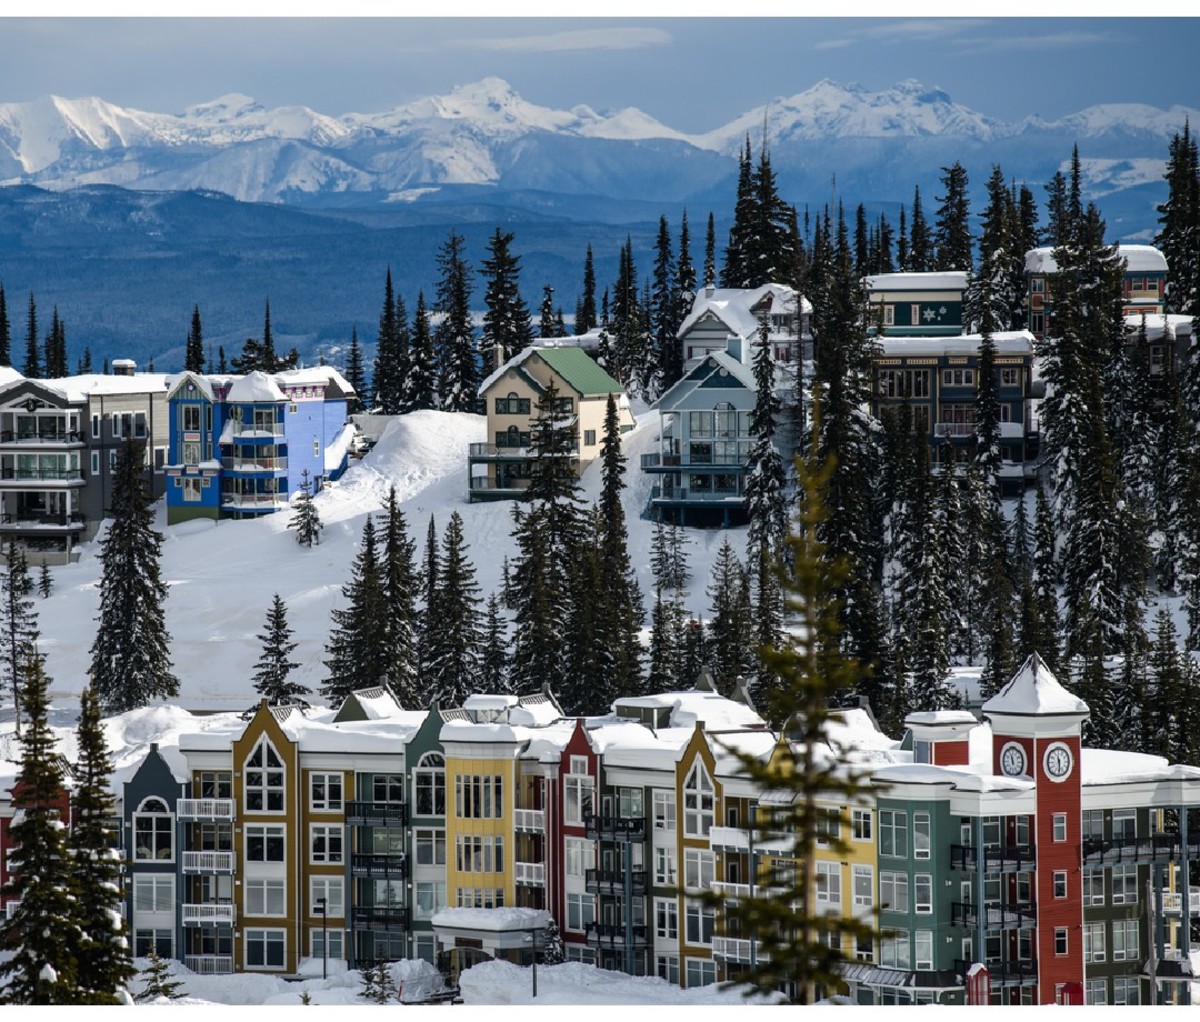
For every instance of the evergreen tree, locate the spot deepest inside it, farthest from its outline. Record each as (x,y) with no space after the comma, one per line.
(454,338)
(710,253)
(420,385)
(999,282)
(131,662)
(400,587)
(158,981)
(273,667)
(628,356)
(493,663)
(5,331)
(546,328)
(953,231)
(43,931)
(685,269)
(986,450)
(104,966)
(18,624)
(1046,576)
(193,352)
(358,647)
(306,520)
(222,368)
(506,324)
(766,502)
(587,319)
(1179,237)
(56,348)
(553,951)
(735,271)
(33,366)
(391,355)
(920,246)
(356,375)
(455,624)
(45,581)
(665,314)
(730,631)
(902,241)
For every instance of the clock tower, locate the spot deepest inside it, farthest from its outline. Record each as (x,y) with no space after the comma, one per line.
(1036,734)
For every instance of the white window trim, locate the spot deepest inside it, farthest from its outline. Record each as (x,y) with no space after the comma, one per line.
(246,949)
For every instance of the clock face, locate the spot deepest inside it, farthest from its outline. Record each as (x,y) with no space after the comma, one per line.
(1012,760)
(1058,761)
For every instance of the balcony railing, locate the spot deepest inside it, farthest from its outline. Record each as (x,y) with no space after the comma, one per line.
(736,949)
(29,520)
(660,461)
(1021,970)
(1156,848)
(1173,903)
(529,874)
(376,814)
(615,828)
(380,916)
(51,475)
(737,839)
(210,965)
(612,935)
(187,809)
(954,429)
(486,483)
(389,865)
(209,914)
(255,464)
(35,436)
(999,916)
(530,821)
(996,858)
(209,862)
(612,881)
(254,430)
(255,500)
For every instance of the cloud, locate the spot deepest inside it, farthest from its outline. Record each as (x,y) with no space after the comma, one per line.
(1056,41)
(908,31)
(833,44)
(581,39)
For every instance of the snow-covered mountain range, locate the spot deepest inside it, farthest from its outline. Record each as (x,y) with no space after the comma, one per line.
(485,133)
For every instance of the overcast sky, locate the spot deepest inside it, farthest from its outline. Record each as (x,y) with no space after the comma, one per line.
(693,74)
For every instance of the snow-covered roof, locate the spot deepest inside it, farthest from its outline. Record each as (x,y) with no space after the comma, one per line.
(311,376)
(711,709)
(1159,326)
(253,387)
(489,702)
(1138,259)
(949,280)
(937,718)
(733,307)
(80,388)
(377,703)
(9,375)
(1110,766)
(492,919)
(1007,342)
(1034,691)
(336,449)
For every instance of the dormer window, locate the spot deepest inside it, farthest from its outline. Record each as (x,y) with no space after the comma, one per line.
(264,779)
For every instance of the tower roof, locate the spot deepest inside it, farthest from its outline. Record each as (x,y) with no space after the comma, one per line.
(1035,692)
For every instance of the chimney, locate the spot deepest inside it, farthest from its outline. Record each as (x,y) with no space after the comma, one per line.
(123,367)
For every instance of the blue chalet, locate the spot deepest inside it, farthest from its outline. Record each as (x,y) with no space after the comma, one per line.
(240,445)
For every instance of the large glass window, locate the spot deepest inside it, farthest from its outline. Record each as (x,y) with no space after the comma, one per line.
(265,949)
(1125,940)
(829,886)
(479,797)
(1125,885)
(429,783)
(579,790)
(326,844)
(921,836)
(325,792)
(664,810)
(893,891)
(431,896)
(864,887)
(332,889)
(264,779)
(264,844)
(581,911)
(153,832)
(154,893)
(335,943)
(701,922)
(665,866)
(388,788)
(265,898)
(699,869)
(580,856)
(430,847)
(698,802)
(666,918)
(893,833)
(923,893)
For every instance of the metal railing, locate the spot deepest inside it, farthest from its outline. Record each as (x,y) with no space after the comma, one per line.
(500,451)
(1157,847)
(209,862)
(254,499)
(376,814)
(612,935)
(210,965)
(24,519)
(379,864)
(532,874)
(255,464)
(1022,970)
(57,436)
(998,915)
(612,881)
(209,914)
(388,916)
(615,828)
(485,483)
(1173,903)
(59,475)
(261,429)
(530,820)
(206,809)
(996,858)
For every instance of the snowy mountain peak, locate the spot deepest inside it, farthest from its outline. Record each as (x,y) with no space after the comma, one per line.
(224,108)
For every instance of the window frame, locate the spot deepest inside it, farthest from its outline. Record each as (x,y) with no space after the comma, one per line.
(268,936)
(322,779)
(326,836)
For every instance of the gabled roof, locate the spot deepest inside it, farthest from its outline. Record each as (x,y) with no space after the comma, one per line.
(734,307)
(255,387)
(701,371)
(1034,691)
(575,366)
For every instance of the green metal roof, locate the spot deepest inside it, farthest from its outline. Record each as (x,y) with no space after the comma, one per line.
(580,371)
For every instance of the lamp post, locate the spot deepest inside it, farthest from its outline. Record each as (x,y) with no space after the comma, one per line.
(323,909)
(533,941)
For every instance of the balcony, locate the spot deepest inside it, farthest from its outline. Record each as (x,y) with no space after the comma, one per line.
(529,821)
(15,476)
(612,936)
(29,521)
(205,809)
(378,865)
(254,464)
(255,501)
(210,965)
(612,881)
(1022,970)
(615,828)
(209,914)
(486,485)
(37,437)
(529,874)
(954,429)
(494,452)
(376,814)
(660,462)
(209,862)
(1172,904)
(379,917)
(738,839)
(996,858)
(253,430)
(1000,915)
(737,949)
(1157,848)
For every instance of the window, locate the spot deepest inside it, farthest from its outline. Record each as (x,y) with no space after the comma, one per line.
(1124,824)
(666,918)
(430,847)
(264,844)
(893,833)
(191,419)
(889,315)
(265,898)
(191,489)
(991,887)
(923,950)
(1038,285)
(1124,885)
(1093,942)
(1126,990)
(153,832)
(564,404)
(667,967)
(431,896)
(512,405)
(154,893)
(699,869)
(326,844)
(893,892)
(1060,940)
(1037,322)
(580,790)
(1096,991)
(860,824)
(479,897)
(581,911)
(320,950)
(264,779)
(1125,940)
(914,315)
(1010,377)
(894,950)
(325,792)
(921,752)
(698,804)
(316,448)
(95,463)
(828,827)
(1060,883)
(700,923)
(864,887)
(332,890)
(476,854)
(664,810)
(1093,886)
(388,789)
(991,831)
(265,949)
(1060,826)
(923,893)
(701,973)
(895,383)
(829,885)
(429,784)
(162,943)
(579,855)
(921,836)
(665,867)
(95,427)
(589,438)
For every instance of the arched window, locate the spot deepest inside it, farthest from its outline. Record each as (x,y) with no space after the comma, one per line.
(698,802)
(153,832)
(264,779)
(429,783)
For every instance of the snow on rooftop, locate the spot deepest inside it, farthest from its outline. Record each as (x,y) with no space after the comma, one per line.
(534,714)
(939,717)
(1110,766)
(1159,326)
(1034,690)
(949,280)
(489,702)
(254,387)
(377,703)
(1007,342)
(1138,259)
(492,919)
(733,307)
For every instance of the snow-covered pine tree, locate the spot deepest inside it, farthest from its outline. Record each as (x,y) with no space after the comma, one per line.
(1179,237)
(356,375)
(18,624)
(454,337)
(953,231)
(1046,576)
(493,664)
(766,502)
(986,452)
(553,950)
(306,519)
(506,323)
(131,662)
(664,314)
(399,579)
(5,331)
(546,328)
(104,963)
(193,355)
(454,624)
(428,582)
(273,667)
(735,271)
(358,647)
(587,318)
(629,349)
(710,253)
(158,981)
(665,654)
(391,355)
(33,359)
(43,930)
(45,584)
(420,384)
(730,630)
(920,245)
(590,660)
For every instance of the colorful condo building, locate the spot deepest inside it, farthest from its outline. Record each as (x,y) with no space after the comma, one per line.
(241,446)
(1001,844)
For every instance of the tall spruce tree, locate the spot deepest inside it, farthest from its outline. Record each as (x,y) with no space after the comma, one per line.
(921,244)
(735,271)
(587,318)
(306,519)
(356,375)
(271,672)
(546,327)
(1179,236)
(664,314)
(42,931)
(18,624)
(391,356)
(33,364)
(507,329)
(454,337)
(193,351)
(104,965)
(455,623)
(5,331)
(493,663)
(358,649)
(952,235)
(400,585)
(710,253)
(730,630)
(420,385)
(131,662)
